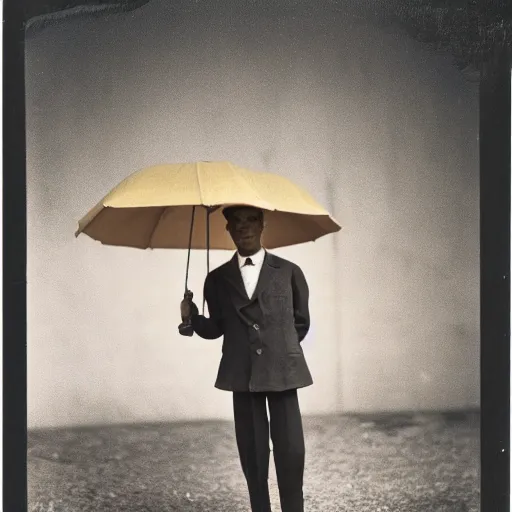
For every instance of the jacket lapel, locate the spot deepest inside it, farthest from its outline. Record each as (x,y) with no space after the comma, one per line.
(267,274)
(233,276)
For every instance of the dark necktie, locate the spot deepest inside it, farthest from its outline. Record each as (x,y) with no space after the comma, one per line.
(248,261)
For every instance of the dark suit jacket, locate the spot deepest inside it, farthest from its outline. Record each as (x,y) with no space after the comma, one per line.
(261,349)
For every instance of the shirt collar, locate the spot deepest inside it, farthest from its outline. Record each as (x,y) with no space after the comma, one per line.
(257,258)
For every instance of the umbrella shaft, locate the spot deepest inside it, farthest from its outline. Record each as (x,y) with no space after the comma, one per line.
(208,211)
(207,248)
(189,246)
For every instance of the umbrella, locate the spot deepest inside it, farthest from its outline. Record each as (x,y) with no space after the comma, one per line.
(153,208)
(156,208)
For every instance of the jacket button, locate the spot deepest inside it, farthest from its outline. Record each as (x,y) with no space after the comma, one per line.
(256,327)
(259,351)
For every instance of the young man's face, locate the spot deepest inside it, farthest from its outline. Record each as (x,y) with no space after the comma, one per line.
(245,225)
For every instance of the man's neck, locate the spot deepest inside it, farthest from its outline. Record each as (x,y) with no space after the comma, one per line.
(249,254)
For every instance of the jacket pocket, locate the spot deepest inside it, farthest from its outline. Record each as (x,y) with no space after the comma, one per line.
(292,342)
(282,304)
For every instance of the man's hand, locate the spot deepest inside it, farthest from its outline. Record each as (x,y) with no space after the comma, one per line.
(187,306)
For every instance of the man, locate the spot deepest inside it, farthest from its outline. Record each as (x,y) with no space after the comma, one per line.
(259,303)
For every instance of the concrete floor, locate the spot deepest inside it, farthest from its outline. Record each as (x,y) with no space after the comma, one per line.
(405,463)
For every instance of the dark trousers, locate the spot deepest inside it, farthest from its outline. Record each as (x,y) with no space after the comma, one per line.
(252,437)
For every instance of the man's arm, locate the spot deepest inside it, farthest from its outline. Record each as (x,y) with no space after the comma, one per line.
(209,328)
(300,302)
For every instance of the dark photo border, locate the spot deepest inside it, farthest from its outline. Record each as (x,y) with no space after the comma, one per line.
(478,36)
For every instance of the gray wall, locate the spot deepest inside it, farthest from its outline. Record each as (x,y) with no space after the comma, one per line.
(379,130)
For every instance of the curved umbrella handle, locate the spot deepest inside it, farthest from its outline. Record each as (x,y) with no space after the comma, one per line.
(185,328)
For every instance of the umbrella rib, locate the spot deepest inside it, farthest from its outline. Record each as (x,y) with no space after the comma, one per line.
(199,184)
(314,220)
(157,223)
(305,219)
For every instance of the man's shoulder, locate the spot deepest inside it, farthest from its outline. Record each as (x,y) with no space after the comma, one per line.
(278,261)
(218,270)
(282,262)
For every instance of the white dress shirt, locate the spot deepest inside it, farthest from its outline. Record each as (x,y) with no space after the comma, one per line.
(251,273)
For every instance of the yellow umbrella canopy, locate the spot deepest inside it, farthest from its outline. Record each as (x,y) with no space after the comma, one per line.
(154,207)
